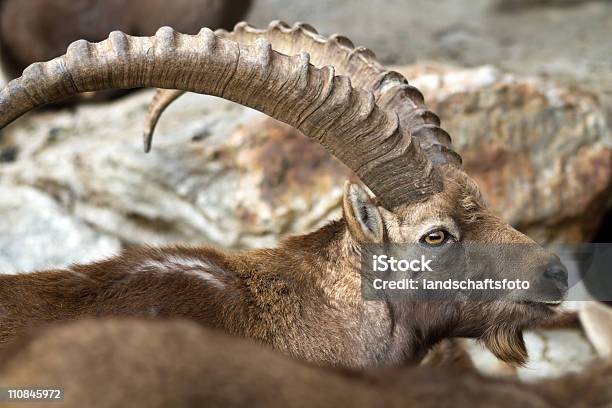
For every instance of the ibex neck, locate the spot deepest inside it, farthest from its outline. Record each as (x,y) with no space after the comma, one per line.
(330,257)
(388,333)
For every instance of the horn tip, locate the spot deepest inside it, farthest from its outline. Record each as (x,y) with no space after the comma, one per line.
(147,139)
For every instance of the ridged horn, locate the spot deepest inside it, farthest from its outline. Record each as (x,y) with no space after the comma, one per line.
(325,107)
(391,90)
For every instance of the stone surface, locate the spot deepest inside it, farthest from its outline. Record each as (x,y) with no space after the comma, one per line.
(218,173)
(36,233)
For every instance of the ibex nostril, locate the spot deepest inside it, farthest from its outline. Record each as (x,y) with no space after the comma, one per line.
(558,273)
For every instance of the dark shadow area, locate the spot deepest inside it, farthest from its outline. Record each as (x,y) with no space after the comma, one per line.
(604,232)
(603,235)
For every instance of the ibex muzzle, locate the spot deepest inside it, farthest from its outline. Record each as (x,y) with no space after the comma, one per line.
(303,297)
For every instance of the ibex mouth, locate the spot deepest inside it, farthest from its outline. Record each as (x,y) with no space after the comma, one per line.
(549,308)
(544,303)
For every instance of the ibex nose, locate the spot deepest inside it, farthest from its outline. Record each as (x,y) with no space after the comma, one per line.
(557,272)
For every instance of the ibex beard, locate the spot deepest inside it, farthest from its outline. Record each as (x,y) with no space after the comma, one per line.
(303,297)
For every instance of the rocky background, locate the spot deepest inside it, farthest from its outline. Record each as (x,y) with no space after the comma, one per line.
(523,87)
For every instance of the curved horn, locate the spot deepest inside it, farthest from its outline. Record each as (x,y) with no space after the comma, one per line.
(391,90)
(161,100)
(323,106)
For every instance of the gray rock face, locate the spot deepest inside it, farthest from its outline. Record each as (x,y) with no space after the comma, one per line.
(36,233)
(212,179)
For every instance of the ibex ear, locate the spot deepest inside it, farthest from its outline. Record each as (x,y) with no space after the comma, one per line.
(596,320)
(361,214)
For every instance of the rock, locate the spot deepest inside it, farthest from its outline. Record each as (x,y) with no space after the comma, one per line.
(541,152)
(36,233)
(519,5)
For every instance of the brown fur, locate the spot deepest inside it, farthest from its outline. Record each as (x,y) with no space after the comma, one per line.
(139,363)
(304,297)
(449,353)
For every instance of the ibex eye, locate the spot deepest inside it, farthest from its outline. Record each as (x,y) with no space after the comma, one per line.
(435,238)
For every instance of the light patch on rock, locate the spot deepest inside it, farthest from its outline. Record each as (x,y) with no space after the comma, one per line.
(36,233)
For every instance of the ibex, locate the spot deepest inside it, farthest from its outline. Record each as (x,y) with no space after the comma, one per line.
(36,30)
(303,297)
(145,363)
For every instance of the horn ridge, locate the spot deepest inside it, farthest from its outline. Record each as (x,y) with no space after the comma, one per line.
(390,88)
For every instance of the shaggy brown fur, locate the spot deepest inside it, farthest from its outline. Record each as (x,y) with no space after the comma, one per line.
(140,363)
(304,297)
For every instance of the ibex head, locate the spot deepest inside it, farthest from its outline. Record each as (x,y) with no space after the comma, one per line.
(452,226)
(369,118)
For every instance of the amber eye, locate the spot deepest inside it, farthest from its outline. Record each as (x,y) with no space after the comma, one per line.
(435,238)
